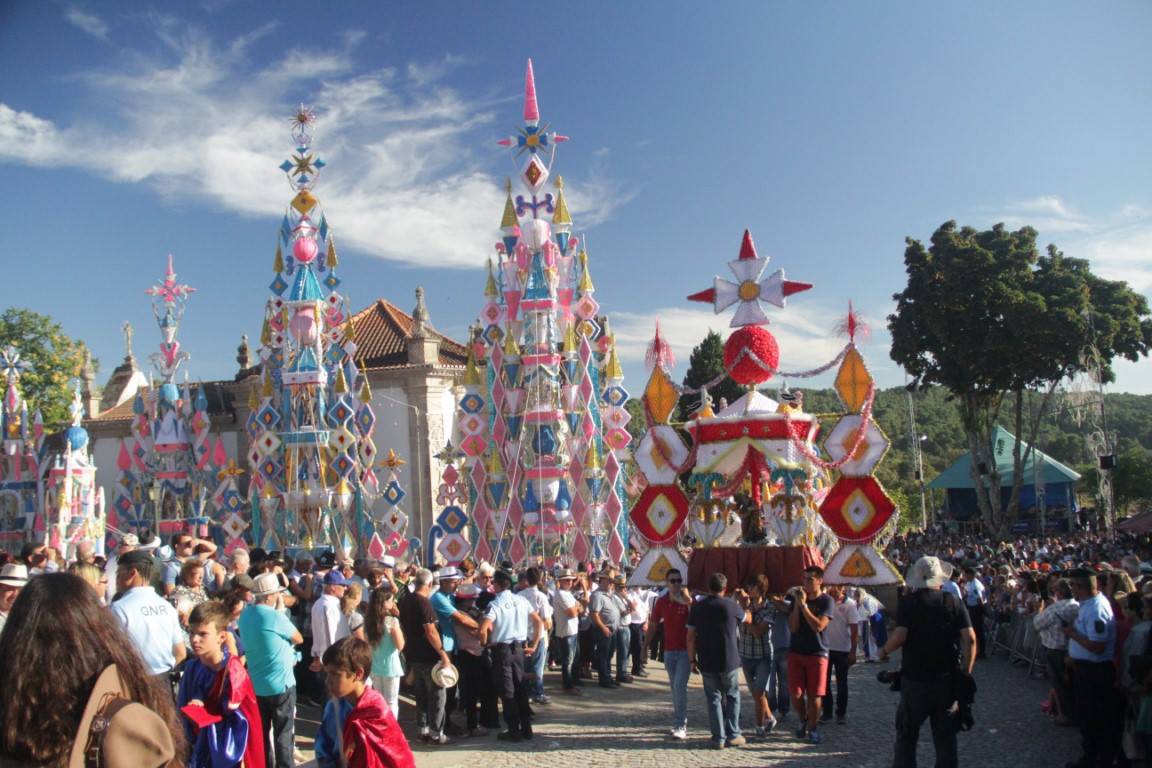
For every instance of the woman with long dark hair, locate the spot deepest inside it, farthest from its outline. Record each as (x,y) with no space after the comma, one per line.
(383,632)
(57,642)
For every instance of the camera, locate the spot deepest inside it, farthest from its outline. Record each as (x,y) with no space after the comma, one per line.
(890,678)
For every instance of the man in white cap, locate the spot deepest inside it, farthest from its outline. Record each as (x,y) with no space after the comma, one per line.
(447,616)
(13,578)
(566,610)
(269,646)
(936,634)
(423,651)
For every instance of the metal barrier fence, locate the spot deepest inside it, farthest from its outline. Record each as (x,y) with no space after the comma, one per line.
(1018,638)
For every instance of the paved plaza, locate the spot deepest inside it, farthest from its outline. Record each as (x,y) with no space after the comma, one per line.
(625,727)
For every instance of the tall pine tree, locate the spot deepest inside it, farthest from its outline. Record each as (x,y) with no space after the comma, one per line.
(705,364)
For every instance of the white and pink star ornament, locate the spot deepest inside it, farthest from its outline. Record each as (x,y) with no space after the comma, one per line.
(750,289)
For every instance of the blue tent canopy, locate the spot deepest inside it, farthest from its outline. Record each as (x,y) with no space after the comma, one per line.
(959,474)
(1056,484)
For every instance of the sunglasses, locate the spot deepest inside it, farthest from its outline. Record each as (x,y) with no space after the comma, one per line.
(675,581)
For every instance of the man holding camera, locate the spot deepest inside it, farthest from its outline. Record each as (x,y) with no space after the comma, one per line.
(936,634)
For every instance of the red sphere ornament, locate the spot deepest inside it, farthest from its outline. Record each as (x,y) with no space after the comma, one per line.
(751,355)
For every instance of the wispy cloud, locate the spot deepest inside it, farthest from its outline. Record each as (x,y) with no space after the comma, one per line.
(1047,213)
(1117,243)
(87,22)
(200,121)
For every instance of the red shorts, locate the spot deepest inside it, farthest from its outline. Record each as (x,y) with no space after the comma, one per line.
(807,674)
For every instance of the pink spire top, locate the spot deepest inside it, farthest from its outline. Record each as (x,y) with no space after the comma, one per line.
(171,272)
(531,111)
(747,248)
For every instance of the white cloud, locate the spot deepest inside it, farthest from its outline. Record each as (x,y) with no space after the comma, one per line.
(1118,244)
(1047,213)
(203,122)
(1122,251)
(87,22)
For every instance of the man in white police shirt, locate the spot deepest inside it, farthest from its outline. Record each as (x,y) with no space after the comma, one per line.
(150,620)
(1091,644)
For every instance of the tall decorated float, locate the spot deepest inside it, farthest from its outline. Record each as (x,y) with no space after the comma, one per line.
(166,467)
(759,459)
(21,441)
(310,451)
(48,491)
(541,423)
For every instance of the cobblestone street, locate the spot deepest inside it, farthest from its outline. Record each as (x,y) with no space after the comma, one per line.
(627,727)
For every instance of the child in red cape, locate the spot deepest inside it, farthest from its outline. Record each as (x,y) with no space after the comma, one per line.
(370,737)
(216,694)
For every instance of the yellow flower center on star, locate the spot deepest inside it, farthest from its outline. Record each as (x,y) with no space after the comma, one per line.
(749,290)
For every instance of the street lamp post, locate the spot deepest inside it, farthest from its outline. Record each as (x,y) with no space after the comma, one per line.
(915,439)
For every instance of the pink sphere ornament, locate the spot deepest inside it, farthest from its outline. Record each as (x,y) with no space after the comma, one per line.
(304,250)
(751,355)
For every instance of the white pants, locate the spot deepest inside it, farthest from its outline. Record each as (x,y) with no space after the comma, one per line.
(389,688)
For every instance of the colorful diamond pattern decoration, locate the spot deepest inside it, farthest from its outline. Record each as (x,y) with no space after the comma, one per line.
(452,519)
(660,454)
(853,381)
(616,396)
(454,547)
(268,416)
(872,448)
(231,500)
(857,508)
(472,403)
(659,512)
(342,465)
(234,526)
(393,493)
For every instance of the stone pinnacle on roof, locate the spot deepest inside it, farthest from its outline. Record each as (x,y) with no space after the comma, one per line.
(421,327)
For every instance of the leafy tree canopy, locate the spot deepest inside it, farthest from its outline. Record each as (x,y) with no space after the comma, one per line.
(987,316)
(55,358)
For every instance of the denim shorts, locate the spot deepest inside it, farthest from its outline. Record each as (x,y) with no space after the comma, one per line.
(756,673)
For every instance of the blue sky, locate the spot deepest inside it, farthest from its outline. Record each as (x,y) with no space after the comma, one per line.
(831,130)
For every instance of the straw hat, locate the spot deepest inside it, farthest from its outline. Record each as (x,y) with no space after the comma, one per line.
(265,584)
(14,575)
(929,573)
(445,676)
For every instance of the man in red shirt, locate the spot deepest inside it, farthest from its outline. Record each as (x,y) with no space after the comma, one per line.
(671,611)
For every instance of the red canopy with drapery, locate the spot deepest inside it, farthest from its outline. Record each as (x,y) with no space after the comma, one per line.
(784,566)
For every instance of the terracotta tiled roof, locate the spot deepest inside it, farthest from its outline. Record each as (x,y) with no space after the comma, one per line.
(382,334)
(122,412)
(220,401)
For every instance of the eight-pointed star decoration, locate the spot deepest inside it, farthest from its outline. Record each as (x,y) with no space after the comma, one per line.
(533,137)
(750,290)
(169,290)
(11,366)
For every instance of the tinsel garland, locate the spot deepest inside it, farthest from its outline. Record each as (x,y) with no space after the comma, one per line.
(686,390)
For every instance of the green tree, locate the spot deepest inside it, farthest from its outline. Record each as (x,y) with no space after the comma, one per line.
(637,424)
(989,318)
(55,359)
(706,364)
(1131,480)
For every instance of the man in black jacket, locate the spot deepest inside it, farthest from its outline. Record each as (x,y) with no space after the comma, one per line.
(936,634)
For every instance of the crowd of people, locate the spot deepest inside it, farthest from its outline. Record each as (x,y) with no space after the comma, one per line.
(1087,597)
(174,653)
